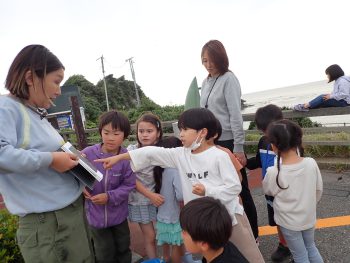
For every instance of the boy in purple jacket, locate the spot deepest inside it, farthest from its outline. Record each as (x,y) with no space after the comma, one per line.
(106,205)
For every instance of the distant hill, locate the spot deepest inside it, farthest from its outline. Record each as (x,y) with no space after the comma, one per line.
(121,95)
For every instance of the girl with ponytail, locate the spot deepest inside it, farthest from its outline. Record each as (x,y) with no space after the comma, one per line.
(296,184)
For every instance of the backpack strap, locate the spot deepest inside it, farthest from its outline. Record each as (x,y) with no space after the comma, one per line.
(26,127)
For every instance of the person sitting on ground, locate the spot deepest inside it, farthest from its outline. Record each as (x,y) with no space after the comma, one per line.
(206,229)
(340,96)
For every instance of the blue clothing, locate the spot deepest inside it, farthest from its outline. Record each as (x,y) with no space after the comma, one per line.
(168,226)
(264,158)
(302,245)
(171,190)
(319,102)
(340,96)
(117,182)
(27,182)
(168,233)
(142,214)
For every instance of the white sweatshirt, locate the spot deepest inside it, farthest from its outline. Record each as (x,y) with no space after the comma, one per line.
(295,207)
(212,168)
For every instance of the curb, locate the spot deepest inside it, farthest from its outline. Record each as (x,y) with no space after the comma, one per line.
(334,164)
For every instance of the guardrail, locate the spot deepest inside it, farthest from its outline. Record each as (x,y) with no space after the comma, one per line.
(288,114)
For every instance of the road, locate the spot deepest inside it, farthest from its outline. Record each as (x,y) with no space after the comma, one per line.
(333,232)
(333,213)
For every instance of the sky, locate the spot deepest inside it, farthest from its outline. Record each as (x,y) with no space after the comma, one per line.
(270,43)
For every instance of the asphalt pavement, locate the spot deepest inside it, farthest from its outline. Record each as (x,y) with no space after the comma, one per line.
(332,237)
(333,242)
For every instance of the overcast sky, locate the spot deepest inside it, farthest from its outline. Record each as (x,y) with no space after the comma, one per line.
(270,43)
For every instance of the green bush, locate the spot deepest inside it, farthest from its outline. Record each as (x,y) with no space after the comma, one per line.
(9,251)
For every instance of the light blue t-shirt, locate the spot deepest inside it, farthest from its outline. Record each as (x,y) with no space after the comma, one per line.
(27,183)
(171,190)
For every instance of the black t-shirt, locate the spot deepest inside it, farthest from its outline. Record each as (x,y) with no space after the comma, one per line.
(230,255)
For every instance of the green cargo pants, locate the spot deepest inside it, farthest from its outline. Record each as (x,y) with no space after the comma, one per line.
(57,236)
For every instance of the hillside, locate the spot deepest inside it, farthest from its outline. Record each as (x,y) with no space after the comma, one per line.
(121,95)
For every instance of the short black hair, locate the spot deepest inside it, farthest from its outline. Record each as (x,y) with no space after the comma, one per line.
(197,119)
(218,131)
(207,220)
(267,114)
(118,121)
(334,71)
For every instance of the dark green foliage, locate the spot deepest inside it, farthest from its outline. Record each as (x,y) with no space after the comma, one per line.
(306,122)
(252,125)
(121,96)
(9,251)
(91,96)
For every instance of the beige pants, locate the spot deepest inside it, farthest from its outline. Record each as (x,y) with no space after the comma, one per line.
(242,237)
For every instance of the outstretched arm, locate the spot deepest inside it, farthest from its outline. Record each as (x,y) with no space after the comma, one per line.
(110,161)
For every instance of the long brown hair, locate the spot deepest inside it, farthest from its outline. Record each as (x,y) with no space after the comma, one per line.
(217,53)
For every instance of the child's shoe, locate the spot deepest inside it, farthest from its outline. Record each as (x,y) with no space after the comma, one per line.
(281,253)
(154,260)
(300,107)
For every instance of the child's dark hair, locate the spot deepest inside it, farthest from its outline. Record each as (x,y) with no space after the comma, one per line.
(197,119)
(117,120)
(334,72)
(154,120)
(169,142)
(207,220)
(218,131)
(267,114)
(285,135)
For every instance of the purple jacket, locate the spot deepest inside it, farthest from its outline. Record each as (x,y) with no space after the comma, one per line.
(117,183)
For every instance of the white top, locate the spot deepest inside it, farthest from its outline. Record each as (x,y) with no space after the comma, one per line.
(295,207)
(212,168)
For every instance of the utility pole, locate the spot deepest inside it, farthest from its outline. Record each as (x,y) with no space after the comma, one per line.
(104,81)
(133,77)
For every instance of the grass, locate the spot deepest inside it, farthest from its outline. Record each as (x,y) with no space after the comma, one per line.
(314,150)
